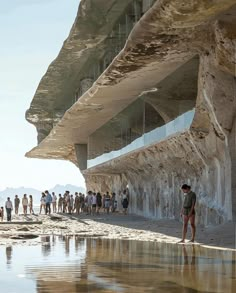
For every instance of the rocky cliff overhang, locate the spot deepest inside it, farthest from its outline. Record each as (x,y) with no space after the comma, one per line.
(167,36)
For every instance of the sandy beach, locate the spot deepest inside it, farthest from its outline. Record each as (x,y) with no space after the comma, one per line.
(112,226)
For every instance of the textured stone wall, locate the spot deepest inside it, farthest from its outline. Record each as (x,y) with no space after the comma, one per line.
(204,157)
(170,34)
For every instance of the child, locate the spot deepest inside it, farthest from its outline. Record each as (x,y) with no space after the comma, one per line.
(1,214)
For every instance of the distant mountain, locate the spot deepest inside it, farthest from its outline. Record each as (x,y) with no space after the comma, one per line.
(11,192)
(62,188)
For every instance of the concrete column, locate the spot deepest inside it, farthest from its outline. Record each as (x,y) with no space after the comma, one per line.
(82,155)
(85,84)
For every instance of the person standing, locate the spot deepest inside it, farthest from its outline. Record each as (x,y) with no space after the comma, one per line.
(89,202)
(9,208)
(17,204)
(82,200)
(60,202)
(103,202)
(64,203)
(43,203)
(54,202)
(113,202)
(48,202)
(1,214)
(31,204)
(70,204)
(188,212)
(77,203)
(94,203)
(68,201)
(25,204)
(99,202)
(107,202)
(125,201)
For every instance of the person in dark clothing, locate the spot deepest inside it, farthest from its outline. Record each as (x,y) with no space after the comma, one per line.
(99,202)
(188,212)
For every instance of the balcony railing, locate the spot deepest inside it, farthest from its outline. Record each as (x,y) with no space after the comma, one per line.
(179,124)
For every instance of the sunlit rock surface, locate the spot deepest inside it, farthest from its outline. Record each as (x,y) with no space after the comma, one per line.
(180,55)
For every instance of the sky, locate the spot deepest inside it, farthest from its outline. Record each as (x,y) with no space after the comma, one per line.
(32,33)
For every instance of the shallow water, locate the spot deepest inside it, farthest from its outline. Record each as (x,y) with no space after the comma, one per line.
(70,264)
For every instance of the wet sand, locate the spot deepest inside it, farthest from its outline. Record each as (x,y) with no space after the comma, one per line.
(112,226)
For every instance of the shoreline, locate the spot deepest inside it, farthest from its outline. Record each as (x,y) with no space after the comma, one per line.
(112,226)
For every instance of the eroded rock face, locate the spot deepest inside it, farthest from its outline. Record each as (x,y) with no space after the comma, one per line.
(169,34)
(204,156)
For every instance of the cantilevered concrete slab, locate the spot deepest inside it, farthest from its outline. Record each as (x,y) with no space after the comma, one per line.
(166,37)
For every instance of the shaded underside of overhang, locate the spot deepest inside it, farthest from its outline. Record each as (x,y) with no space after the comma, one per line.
(167,36)
(178,147)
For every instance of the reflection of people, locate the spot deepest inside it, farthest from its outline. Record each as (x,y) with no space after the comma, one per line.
(189,272)
(67,245)
(189,260)
(188,212)
(9,208)
(9,254)
(46,245)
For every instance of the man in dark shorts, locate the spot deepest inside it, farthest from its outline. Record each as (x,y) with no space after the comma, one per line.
(188,212)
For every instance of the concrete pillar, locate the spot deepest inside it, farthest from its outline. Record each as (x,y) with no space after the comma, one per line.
(82,155)
(85,84)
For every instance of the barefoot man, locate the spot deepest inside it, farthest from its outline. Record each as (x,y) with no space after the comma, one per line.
(188,212)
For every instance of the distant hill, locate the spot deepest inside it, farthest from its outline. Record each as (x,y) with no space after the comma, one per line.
(62,188)
(11,192)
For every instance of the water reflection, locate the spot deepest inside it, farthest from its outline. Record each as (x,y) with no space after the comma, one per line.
(73,264)
(9,255)
(46,245)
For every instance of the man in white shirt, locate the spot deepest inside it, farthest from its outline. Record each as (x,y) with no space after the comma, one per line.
(9,208)
(54,202)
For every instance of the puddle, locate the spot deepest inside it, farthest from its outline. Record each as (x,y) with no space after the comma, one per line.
(72,264)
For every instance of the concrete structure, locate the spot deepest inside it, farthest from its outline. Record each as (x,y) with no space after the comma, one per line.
(142,95)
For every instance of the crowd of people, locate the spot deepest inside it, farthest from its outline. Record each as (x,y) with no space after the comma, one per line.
(90,204)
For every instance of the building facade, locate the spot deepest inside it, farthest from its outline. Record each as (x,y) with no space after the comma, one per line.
(142,96)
